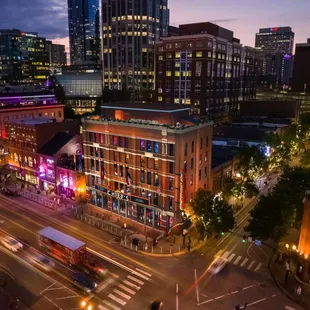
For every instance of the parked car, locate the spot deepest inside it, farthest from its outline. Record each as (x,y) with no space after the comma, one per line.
(12,244)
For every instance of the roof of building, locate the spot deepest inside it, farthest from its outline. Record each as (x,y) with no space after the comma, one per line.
(33,121)
(156,107)
(55,144)
(222,154)
(61,238)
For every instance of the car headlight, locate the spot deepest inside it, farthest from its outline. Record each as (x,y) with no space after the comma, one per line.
(96,284)
(88,290)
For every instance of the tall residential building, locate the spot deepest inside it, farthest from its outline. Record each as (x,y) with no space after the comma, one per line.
(23,57)
(274,48)
(130,30)
(84,31)
(301,73)
(146,161)
(57,55)
(206,68)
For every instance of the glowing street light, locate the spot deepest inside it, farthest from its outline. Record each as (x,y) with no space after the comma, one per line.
(294,247)
(89,307)
(83,303)
(287,246)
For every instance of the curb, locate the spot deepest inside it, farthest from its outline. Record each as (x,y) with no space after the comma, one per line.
(282,289)
(195,248)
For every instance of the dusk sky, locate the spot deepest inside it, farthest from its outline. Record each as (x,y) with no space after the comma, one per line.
(244,17)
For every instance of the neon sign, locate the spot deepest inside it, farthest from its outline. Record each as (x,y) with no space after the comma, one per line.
(274,29)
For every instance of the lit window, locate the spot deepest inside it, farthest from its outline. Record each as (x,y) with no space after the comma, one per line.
(177,73)
(168,73)
(176,100)
(177,55)
(160,57)
(198,54)
(160,98)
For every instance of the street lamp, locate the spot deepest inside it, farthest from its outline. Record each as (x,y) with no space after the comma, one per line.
(294,247)
(287,246)
(83,304)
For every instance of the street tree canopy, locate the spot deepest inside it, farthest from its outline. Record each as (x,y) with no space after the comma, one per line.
(213,214)
(282,208)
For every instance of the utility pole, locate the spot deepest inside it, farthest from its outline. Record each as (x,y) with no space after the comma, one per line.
(196,286)
(177,297)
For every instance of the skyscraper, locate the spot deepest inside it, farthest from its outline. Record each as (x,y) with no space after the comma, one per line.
(84,31)
(130,30)
(57,55)
(23,57)
(274,47)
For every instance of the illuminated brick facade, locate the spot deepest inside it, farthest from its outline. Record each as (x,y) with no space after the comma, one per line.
(146,163)
(304,239)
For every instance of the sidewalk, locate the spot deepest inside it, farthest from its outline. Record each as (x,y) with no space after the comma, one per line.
(12,295)
(288,288)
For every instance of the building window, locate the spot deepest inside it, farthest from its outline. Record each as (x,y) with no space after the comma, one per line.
(192,163)
(155,164)
(193,146)
(198,68)
(170,203)
(115,140)
(121,171)
(142,180)
(199,54)
(101,138)
(168,55)
(97,165)
(115,169)
(90,136)
(207,141)
(120,142)
(185,165)
(199,174)
(92,164)
(201,143)
(171,166)
(30,162)
(142,161)
(156,180)
(156,147)
(171,150)
(177,55)
(126,142)
(206,156)
(149,178)
(142,145)
(149,146)
(185,149)
(127,158)
(92,180)
(205,175)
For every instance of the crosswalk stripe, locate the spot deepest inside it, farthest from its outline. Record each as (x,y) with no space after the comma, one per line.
(111,305)
(144,272)
(135,280)
(219,253)
(251,265)
(120,301)
(101,307)
(122,294)
(226,254)
(258,266)
(237,260)
(126,289)
(131,285)
(244,262)
(104,285)
(231,257)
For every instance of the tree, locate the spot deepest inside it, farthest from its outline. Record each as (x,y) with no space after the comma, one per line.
(251,162)
(69,113)
(215,215)
(281,209)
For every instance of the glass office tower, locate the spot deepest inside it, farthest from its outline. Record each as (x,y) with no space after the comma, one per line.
(130,30)
(84,31)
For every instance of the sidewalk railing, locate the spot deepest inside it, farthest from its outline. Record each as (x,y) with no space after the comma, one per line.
(41,200)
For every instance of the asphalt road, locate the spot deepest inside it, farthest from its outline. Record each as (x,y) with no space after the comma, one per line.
(128,285)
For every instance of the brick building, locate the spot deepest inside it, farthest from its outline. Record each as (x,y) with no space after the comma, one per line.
(146,161)
(206,68)
(25,138)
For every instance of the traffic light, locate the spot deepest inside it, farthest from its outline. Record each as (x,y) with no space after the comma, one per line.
(244,238)
(222,233)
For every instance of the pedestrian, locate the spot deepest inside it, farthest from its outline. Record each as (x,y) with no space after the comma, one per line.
(298,290)
(189,247)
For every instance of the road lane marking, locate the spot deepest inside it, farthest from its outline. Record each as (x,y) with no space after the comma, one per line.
(237,260)
(52,302)
(219,297)
(244,262)
(122,294)
(226,254)
(247,287)
(46,289)
(231,257)
(258,266)
(132,285)
(135,280)
(104,285)
(251,265)
(101,307)
(289,308)
(257,301)
(126,289)
(144,272)
(66,297)
(219,253)
(120,301)
(111,305)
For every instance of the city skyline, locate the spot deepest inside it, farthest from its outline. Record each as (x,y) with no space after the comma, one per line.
(234,18)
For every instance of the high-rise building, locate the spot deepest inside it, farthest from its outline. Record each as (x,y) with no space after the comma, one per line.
(23,57)
(301,73)
(274,49)
(206,68)
(130,30)
(57,55)
(84,31)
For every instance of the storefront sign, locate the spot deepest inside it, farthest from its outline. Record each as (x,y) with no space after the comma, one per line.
(140,200)
(182,188)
